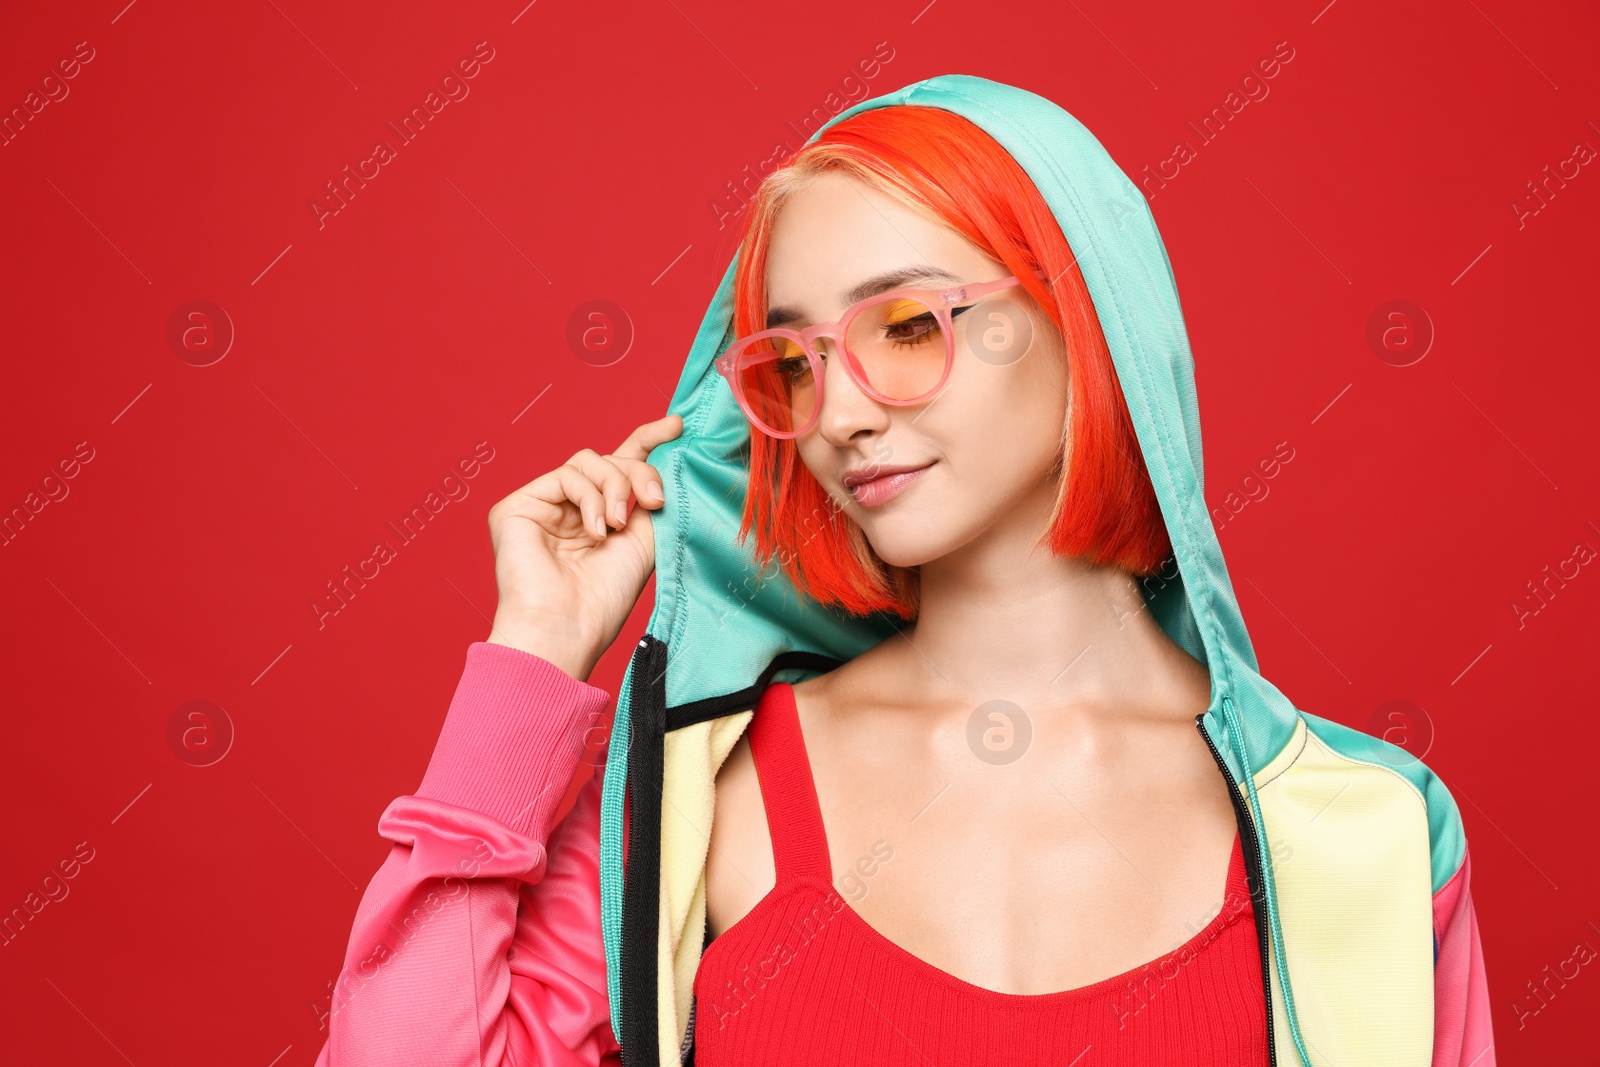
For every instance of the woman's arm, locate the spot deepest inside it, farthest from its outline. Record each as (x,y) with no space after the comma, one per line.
(1462,1034)
(478,940)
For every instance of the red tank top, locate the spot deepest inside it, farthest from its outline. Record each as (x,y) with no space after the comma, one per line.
(802,979)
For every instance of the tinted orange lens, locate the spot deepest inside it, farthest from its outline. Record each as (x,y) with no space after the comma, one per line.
(777,381)
(900,346)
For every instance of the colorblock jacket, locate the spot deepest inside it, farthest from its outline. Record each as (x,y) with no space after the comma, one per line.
(536,941)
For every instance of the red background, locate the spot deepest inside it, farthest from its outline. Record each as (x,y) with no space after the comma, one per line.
(375,350)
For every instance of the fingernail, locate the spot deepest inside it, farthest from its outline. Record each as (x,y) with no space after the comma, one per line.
(654,489)
(619,511)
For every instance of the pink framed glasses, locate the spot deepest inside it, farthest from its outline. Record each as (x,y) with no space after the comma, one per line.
(897,346)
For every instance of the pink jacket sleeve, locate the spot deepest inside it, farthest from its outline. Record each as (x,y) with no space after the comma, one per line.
(478,940)
(1462,1034)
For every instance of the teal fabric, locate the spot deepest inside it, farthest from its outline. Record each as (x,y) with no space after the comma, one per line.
(723,622)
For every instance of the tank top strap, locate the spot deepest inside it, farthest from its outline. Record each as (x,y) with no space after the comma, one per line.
(794,817)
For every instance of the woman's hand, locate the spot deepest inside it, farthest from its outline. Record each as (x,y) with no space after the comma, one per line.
(570,559)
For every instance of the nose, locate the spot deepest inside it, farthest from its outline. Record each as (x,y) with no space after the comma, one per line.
(847,412)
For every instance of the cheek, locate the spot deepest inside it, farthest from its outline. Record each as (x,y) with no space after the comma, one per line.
(817,458)
(1003,412)
(1004,433)
(1039,392)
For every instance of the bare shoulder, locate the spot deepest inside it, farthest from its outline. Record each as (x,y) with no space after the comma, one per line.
(877,678)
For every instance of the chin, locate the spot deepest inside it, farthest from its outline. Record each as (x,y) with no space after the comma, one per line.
(906,560)
(902,546)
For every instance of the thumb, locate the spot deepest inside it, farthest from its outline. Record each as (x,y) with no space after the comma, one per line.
(646,437)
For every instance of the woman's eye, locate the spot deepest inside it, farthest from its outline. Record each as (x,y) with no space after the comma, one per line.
(911,329)
(793,369)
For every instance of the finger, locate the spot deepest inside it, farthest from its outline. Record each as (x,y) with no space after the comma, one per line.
(649,435)
(612,483)
(577,488)
(555,501)
(644,478)
(640,525)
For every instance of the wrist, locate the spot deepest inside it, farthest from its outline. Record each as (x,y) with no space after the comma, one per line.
(571,653)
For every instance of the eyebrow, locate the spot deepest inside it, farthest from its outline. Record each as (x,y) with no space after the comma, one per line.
(878,283)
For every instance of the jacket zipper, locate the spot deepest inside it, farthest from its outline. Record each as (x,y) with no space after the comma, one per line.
(1258,897)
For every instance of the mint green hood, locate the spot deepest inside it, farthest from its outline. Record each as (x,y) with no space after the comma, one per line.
(720,631)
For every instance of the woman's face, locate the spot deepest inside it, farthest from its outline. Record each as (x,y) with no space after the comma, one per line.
(987,441)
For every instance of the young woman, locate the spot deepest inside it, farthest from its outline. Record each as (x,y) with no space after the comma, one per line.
(1025,797)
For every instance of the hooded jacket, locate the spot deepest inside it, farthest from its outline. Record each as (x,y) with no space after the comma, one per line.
(499,931)
(1356,856)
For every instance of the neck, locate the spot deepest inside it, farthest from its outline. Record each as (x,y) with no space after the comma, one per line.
(1001,618)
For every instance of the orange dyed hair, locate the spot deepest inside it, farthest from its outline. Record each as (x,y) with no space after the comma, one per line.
(944,165)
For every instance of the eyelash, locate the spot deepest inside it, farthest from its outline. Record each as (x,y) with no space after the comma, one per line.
(799,364)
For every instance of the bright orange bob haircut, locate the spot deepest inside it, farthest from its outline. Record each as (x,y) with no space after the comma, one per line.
(947,167)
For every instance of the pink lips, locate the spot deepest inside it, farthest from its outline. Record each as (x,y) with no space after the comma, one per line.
(881,490)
